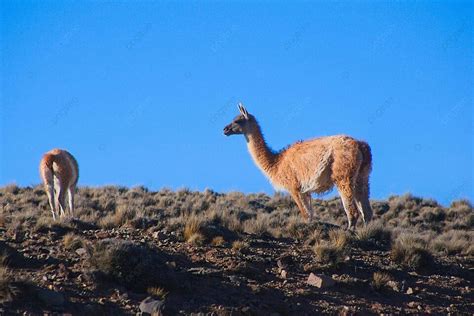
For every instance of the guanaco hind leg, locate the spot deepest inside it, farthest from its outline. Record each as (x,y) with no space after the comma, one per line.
(71,200)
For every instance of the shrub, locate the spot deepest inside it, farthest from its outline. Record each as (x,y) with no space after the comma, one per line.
(373,234)
(135,266)
(412,253)
(433,215)
(332,252)
(8,290)
(453,242)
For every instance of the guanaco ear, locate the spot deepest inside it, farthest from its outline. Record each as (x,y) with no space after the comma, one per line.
(243,111)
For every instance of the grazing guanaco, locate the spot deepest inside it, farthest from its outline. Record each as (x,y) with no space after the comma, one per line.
(312,166)
(59,171)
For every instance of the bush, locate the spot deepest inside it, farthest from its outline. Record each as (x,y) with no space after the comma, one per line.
(453,242)
(412,253)
(135,266)
(373,235)
(8,289)
(332,252)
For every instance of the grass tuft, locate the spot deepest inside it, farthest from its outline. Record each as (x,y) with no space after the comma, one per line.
(8,290)
(157,292)
(373,235)
(135,266)
(240,245)
(332,252)
(411,252)
(380,280)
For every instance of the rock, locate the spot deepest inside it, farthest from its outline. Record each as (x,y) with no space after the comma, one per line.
(81,251)
(246,310)
(50,298)
(255,288)
(410,291)
(284,274)
(320,281)
(393,285)
(152,306)
(171,264)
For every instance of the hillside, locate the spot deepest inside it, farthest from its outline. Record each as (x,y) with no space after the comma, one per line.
(231,254)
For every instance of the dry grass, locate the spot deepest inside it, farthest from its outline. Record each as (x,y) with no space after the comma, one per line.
(380,280)
(134,266)
(240,246)
(8,290)
(373,235)
(193,226)
(123,215)
(71,241)
(193,230)
(454,242)
(202,217)
(412,253)
(218,241)
(157,292)
(332,252)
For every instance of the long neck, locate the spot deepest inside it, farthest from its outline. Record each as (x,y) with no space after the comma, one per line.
(263,156)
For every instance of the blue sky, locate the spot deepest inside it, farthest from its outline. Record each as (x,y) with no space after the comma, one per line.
(140,92)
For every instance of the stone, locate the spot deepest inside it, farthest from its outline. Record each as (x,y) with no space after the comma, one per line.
(151,306)
(320,281)
(284,274)
(393,285)
(410,291)
(81,251)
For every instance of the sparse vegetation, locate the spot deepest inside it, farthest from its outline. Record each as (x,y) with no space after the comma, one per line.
(140,242)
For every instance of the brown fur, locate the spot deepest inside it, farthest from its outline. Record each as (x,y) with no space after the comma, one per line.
(60,172)
(313,166)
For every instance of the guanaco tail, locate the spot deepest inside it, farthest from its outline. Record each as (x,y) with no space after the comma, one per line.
(312,166)
(60,172)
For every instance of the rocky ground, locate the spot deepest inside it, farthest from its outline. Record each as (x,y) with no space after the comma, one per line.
(210,253)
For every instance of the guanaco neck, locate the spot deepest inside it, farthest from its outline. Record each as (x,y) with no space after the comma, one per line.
(262,155)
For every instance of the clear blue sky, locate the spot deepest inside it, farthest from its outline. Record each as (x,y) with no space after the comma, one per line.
(140,92)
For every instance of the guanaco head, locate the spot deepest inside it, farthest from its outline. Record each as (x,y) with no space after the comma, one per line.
(242,124)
